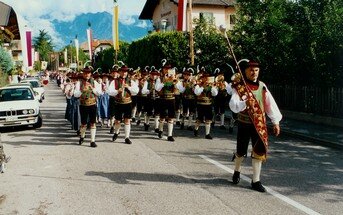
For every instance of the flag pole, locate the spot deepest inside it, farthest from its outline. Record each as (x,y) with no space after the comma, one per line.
(90,42)
(115,30)
(191,37)
(77,52)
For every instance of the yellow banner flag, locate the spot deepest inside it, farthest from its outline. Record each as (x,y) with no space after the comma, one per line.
(115,28)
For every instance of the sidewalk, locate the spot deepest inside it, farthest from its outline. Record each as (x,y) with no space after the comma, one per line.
(330,136)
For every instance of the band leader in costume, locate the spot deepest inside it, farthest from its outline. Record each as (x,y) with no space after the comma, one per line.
(87,89)
(255,130)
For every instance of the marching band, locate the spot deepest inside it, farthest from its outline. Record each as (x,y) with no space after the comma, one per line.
(124,95)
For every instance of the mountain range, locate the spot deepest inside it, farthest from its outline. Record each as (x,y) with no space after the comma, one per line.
(130,28)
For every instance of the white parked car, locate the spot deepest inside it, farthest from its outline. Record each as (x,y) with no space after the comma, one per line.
(18,106)
(37,96)
(37,86)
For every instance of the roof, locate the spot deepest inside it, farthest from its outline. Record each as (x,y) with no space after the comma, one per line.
(226,3)
(150,5)
(5,12)
(95,44)
(8,20)
(16,86)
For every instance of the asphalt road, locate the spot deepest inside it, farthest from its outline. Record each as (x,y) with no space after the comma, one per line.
(49,173)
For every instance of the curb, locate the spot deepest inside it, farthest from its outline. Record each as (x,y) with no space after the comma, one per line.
(321,141)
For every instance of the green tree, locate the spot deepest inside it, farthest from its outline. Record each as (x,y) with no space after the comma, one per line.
(172,46)
(43,45)
(6,63)
(71,55)
(123,51)
(3,78)
(210,46)
(325,20)
(292,39)
(105,59)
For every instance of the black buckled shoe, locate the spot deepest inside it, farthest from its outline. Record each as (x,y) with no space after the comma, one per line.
(81,140)
(196,133)
(138,122)
(258,186)
(236,177)
(93,144)
(112,130)
(115,136)
(209,137)
(160,134)
(171,139)
(128,141)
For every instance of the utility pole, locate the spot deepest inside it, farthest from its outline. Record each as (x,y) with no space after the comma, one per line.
(191,39)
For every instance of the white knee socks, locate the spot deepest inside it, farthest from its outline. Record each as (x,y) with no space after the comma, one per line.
(170,129)
(238,163)
(207,128)
(93,132)
(83,131)
(256,168)
(127,129)
(222,118)
(117,128)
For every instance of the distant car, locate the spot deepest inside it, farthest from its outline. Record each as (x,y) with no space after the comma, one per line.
(37,86)
(18,107)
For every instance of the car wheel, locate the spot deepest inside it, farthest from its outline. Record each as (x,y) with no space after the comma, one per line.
(39,123)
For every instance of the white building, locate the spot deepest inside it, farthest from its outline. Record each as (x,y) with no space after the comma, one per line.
(169,14)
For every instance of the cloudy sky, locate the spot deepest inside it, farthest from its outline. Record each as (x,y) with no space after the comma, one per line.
(67,9)
(33,13)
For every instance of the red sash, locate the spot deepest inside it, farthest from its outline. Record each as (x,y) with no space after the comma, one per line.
(257,118)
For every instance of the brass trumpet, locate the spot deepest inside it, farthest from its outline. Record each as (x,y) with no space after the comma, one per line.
(220,81)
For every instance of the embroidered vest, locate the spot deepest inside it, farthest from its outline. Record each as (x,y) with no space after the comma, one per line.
(205,98)
(188,93)
(87,97)
(244,116)
(167,91)
(151,87)
(125,96)
(140,87)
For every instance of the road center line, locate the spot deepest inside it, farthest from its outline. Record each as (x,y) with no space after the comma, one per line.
(269,190)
